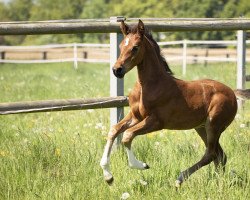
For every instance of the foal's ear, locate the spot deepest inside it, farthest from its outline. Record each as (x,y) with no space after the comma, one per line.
(124,28)
(140,28)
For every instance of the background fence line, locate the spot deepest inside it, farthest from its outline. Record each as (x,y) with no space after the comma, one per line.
(76,58)
(95,45)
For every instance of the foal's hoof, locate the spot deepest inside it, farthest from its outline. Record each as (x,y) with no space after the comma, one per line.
(145,165)
(178,183)
(179,180)
(109,180)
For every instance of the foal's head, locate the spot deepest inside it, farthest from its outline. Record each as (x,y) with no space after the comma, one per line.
(131,47)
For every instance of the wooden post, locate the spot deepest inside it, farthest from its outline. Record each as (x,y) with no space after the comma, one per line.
(184,58)
(44,55)
(116,85)
(206,55)
(75,56)
(241,61)
(85,54)
(2,55)
(195,59)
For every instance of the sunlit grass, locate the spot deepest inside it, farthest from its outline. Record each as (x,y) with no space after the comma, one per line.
(56,155)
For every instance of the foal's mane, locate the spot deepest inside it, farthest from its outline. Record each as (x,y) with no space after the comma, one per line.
(149,36)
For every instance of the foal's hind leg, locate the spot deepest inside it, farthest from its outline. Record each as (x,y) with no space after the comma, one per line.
(221,158)
(203,134)
(212,139)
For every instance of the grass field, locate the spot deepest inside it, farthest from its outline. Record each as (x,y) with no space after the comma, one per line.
(56,155)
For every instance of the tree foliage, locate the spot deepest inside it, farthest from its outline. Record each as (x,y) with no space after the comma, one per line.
(26,10)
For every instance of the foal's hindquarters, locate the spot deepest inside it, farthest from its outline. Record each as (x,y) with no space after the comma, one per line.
(221,107)
(218,107)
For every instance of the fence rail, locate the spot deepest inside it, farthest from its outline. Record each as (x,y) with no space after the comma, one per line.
(104,26)
(202,42)
(62,105)
(53,46)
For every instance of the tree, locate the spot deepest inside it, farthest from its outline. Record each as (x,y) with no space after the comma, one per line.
(205,9)
(19,10)
(95,9)
(3,17)
(15,10)
(56,10)
(243,8)
(141,8)
(4,12)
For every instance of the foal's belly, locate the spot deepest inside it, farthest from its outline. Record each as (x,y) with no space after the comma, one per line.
(180,115)
(181,118)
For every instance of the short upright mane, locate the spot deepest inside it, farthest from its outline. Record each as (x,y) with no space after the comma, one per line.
(156,46)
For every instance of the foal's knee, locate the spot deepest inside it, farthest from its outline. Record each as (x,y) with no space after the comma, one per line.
(112,134)
(127,139)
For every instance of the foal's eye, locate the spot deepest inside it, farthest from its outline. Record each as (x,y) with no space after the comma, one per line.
(135,49)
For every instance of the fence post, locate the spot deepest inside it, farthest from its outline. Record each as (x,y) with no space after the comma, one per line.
(116,85)
(241,61)
(75,56)
(2,55)
(206,55)
(184,58)
(85,54)
(44,55)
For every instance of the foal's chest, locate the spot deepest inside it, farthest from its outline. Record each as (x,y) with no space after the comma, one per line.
(136,103)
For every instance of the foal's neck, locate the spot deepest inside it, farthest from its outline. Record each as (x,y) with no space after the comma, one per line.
(151,69)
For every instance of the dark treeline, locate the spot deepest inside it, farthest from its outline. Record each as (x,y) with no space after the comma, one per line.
(32,10)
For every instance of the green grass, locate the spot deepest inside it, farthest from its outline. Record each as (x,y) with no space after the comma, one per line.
(56,155)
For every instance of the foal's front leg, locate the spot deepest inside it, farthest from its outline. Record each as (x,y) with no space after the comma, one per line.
(148,125)
(125,123)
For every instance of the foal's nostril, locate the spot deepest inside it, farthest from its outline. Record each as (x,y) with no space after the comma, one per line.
(114,70)
(118,72)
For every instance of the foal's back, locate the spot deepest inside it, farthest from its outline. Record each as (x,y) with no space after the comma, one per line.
(192,102)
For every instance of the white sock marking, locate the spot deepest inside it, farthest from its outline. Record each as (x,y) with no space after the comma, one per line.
(105,161)
(133,162)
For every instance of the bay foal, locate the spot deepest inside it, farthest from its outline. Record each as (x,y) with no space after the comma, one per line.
(161,101)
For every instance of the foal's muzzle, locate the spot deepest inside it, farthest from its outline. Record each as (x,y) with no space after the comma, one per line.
(119,72)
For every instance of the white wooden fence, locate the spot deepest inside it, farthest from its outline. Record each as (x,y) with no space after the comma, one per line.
(74,47)
(45,48)
(185,58)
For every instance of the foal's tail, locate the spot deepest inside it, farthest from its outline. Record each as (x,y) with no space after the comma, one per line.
(242,94)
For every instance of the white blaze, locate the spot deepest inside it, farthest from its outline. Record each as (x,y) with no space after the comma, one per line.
(126,41)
